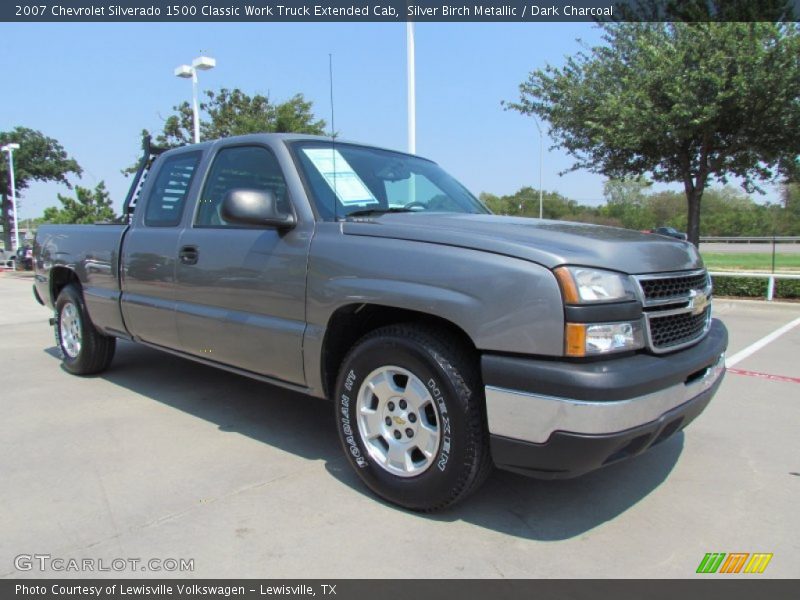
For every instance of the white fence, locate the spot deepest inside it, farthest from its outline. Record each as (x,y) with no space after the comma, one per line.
(780,239)
(758,275)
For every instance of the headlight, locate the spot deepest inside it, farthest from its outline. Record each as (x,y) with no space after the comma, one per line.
(589,339)
(581,285)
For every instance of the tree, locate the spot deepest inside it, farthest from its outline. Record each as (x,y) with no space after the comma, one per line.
(727,211)
(87,207)
(789,224)
(680,102)
(623,192)
(626,202)
(668,209)
(790,199)
(232,112)
(525,203)
(39,158)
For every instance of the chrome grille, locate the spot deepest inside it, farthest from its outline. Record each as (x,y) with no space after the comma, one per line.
(677,308)
(659,288)
(677,329)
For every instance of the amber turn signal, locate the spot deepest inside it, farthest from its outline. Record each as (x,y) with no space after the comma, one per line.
(567,284)
(575,339)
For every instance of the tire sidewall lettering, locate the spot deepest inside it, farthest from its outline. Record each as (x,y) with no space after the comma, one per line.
(349,434)
(439,400)
(456,459)
(349,426)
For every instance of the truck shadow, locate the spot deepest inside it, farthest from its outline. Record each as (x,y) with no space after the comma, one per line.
(553,510)
(560,510)
(507,503)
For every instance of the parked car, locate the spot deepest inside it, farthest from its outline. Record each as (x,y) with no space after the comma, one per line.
(671,232)
(24,258)
(448,339)
(7,259)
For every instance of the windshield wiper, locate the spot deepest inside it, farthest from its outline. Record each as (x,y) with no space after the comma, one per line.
(366,212)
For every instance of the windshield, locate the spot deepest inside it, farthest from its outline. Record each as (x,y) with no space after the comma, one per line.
(345,179)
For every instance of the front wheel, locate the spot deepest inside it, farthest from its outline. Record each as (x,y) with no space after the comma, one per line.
(411,418)
(83,349)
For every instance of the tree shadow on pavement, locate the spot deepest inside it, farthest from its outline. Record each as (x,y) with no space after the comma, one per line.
(304,426)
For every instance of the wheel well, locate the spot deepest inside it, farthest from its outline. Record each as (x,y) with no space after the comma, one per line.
(61,277)
(350,323)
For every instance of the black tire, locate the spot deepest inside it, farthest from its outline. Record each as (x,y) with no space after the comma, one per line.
(450,374)
(95,351)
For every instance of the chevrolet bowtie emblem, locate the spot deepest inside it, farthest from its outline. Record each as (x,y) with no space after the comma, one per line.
(399,421)
(698,301)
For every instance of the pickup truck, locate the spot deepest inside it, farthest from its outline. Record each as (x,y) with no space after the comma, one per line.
(450,340)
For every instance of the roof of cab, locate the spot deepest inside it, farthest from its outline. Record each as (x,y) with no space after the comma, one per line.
(289,137)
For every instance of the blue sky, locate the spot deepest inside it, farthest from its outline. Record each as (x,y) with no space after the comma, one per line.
(95,86)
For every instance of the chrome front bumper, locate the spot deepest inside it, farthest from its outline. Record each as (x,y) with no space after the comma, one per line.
(534,418)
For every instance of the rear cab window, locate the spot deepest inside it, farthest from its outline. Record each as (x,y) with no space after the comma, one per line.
(167,198)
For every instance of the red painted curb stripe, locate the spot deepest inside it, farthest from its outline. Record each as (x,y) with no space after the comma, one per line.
(765,375)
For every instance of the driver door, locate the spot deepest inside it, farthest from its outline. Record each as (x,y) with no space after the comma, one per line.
(240,290)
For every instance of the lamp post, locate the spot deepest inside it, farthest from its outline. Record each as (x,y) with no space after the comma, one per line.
(201,63)
(412,90)
(9,149)
(412,104)
(541,160)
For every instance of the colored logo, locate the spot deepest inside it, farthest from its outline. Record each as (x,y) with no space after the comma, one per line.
(735,562)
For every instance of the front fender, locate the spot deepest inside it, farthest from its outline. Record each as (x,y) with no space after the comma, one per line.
(503,304)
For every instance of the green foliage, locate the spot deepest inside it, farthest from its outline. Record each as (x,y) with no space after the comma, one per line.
(626,202)
(787,288)
(726,211)
(788,219)
(753,287)
(232,112)
(680,102)
(39,158)
(525,203)
(88,206)
(668,209)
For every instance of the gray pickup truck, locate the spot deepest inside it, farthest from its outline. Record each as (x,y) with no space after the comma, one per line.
(449,339)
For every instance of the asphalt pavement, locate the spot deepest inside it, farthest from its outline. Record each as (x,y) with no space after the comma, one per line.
(162,458)
(754,248)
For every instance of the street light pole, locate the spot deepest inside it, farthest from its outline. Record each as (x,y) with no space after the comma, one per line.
(201,63)
(195,108)
(412,104)
(412,91)
(541,161)
(9,149)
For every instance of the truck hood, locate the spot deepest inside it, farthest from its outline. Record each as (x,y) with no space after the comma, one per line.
(549,243)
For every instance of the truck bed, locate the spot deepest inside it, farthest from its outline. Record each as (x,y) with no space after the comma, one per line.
(92,252)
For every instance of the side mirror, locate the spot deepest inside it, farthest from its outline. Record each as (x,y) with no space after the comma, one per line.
(255,207)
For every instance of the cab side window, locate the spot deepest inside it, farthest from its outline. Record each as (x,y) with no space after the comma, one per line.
(168,194)
(240,167)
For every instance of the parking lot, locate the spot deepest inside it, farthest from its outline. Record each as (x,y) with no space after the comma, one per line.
(164,458)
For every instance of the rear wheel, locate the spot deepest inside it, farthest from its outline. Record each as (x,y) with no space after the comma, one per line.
(83,349)
(411,418)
